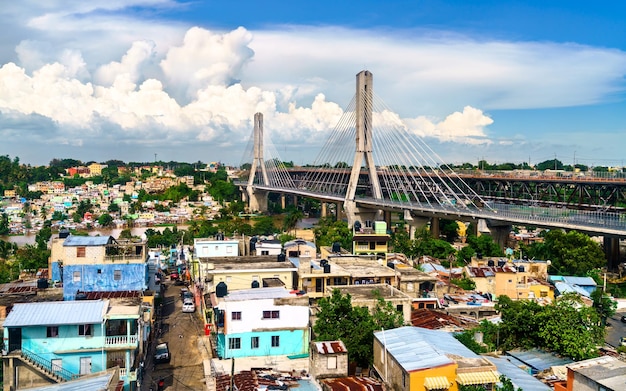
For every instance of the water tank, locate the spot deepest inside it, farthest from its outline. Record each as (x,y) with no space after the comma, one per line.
(255,284)
(327,268)
(221,289)
(64,233)
(336,247)
(479,255)
(501,263)
(281,257)
(521,268)
(324,262)
(42,283)
(357,226)
(491,263)
(253,241)
(391,265)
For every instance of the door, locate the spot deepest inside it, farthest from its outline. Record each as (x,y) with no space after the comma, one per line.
(15,339)
(57,365)
(85,365)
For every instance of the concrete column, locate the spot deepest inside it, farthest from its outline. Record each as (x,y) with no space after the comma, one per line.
(434,228)
(295,201)
(611,250)
(283,202)
(500,233)
(416,222)
(324,211)
(387,218)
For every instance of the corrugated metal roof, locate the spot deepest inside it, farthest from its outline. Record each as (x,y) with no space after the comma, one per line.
(580,281)
(74,241)
(418,348)
(330,347)
(537,359)
(56,313)
(520,378)
(95,383)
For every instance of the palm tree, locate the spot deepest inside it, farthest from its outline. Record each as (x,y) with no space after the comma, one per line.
(291,220)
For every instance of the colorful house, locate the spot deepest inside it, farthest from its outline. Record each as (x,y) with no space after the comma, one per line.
(417,359)
(262,322)
(55,342)
(98,264)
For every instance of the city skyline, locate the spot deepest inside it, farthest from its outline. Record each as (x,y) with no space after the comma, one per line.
(130,80)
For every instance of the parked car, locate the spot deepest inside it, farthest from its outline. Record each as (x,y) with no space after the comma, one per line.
(162,353)
(188,306)
(623,318)
(186,294)
(623,341)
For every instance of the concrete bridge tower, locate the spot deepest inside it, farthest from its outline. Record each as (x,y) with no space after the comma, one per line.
(257,199)
(363,151)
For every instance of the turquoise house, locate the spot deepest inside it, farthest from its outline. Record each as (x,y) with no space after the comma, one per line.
(53,342)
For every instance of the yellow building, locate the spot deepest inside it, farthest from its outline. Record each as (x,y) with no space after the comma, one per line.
(10,193)
(95,169)
(246,272)
(416,359)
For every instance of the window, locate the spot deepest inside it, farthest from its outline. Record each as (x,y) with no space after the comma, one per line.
(372,245)
(236,315)
(265,252)
(255,343)
(85,329)
(117,275)
(99,271)
(271,314)
(81,252)
(229,250)
(76,276)
(403,380)
(331,363)
(234,343)
(399,308)
(275,341)
(52,331)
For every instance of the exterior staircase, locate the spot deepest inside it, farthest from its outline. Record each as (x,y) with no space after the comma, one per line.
(44,367)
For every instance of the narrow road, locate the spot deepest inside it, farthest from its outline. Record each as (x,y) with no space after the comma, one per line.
(180,330)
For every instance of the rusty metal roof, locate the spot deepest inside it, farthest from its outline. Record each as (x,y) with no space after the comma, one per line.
(330,347)
(352,383)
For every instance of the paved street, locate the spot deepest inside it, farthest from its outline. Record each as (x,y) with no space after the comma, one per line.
(617,329)
(181,331)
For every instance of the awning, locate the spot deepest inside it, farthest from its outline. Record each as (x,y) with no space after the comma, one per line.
(436,383)
(473,378)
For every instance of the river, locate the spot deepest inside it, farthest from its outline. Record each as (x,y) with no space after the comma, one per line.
(22,240)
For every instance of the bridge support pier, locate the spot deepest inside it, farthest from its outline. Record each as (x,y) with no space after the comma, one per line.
(324,211)
(283,201)
(612,253)
(415,223)
(499,232)
(257,200)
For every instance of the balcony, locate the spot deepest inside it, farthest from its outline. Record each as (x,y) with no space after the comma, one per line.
(114,341)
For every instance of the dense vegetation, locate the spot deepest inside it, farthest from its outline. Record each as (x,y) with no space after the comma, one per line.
(565,326)
(337,319)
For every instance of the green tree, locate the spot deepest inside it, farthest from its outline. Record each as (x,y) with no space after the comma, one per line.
(385,315)
(4,224)
(603,304)
(264,226)
(571,253)
(329,231)
(105,220)
(338,320)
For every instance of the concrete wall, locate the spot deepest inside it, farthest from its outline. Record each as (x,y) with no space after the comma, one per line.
(242,279)
(291,342)
(132,278)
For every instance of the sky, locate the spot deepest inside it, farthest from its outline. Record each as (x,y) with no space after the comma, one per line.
(180,80)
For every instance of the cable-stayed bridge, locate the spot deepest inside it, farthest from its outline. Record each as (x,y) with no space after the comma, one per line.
(372,165)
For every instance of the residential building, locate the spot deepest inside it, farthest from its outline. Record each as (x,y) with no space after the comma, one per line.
(261,322)
(98,264)
(236,273)
(299,248)
(328,359)
(371,240)
(414,282)
(604,373)
(52,342)
(268,247)
(209,248)
(368,296)
(95,169)
(416,359)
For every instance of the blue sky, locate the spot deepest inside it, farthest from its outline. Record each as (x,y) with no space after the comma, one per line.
(504,81)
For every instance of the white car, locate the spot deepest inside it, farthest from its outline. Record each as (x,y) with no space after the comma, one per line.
(188,306)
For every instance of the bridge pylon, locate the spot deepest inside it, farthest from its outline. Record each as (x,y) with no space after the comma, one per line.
(257,199)
(363,150)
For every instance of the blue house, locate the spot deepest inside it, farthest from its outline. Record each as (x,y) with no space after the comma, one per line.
(53,342)
(98,264)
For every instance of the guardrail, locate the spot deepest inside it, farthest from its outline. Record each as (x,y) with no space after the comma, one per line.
(47,366)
